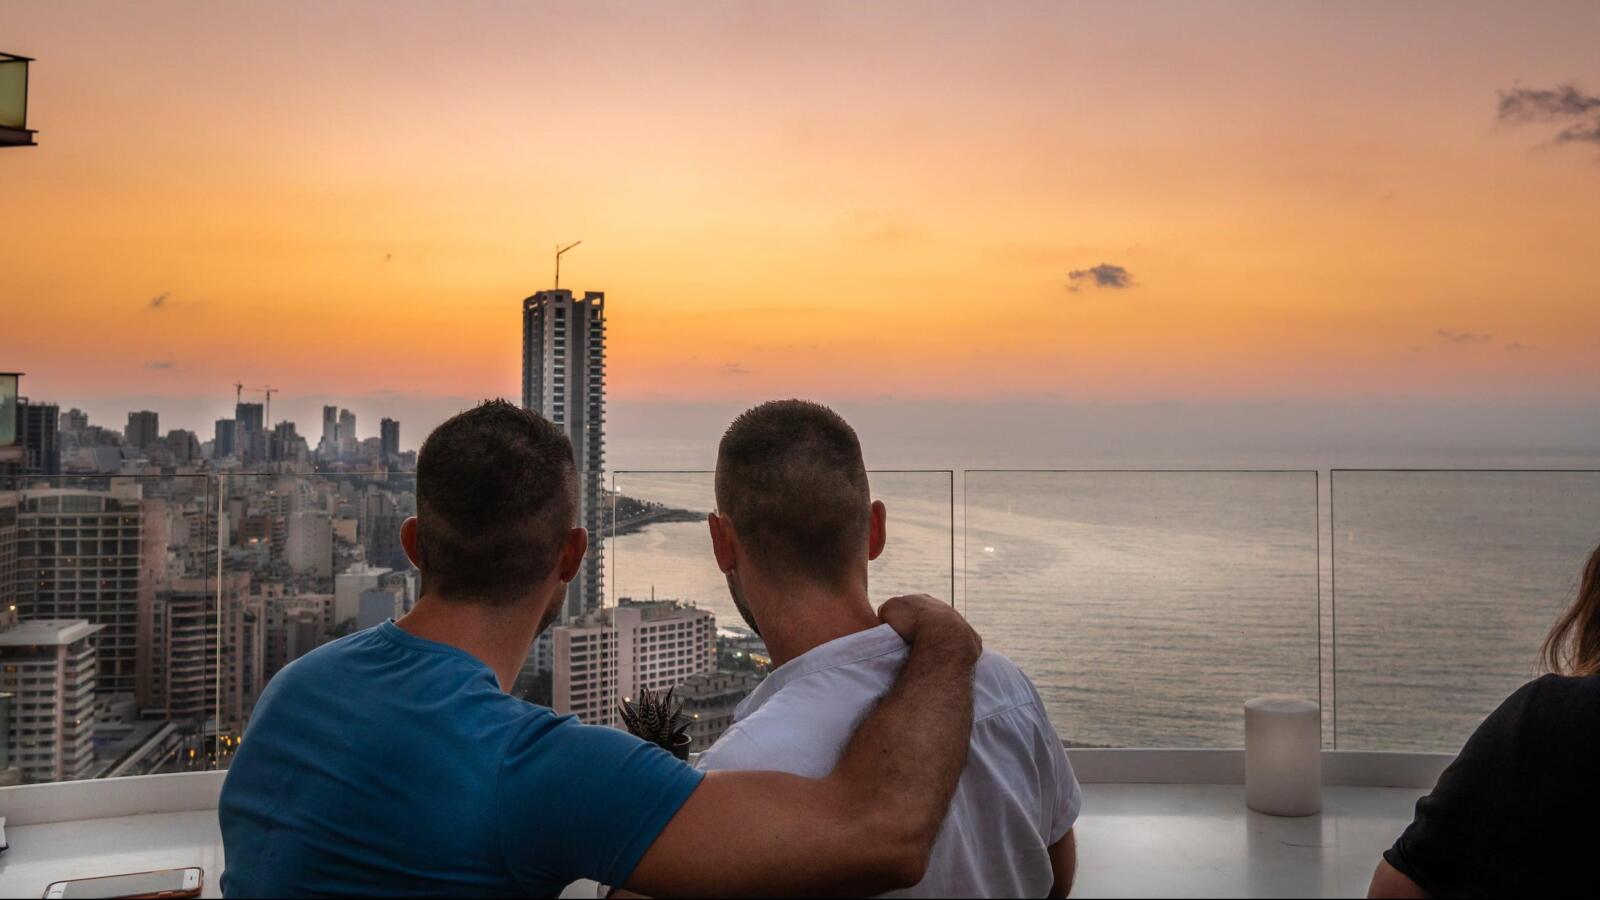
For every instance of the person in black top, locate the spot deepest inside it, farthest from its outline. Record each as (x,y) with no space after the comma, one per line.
(1518,811)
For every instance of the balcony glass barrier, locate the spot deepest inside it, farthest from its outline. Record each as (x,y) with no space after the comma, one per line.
(13,92)
(1147,606)
(659,543)
(1444,585)
(659,549)
(107,585)
(8,417)
(304,559)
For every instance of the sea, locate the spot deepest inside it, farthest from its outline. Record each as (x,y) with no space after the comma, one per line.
(1149,593)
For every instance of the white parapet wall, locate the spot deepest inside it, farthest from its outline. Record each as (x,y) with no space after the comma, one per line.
(71,801)
(105,798)
(1348,768)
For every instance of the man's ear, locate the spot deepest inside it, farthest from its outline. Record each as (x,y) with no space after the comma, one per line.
(724,544)
(878,534)
(573,548)
(408,541)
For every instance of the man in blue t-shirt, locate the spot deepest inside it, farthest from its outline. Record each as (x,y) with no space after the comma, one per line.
(392,762)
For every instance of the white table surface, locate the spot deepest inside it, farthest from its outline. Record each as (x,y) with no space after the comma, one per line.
(1133,841)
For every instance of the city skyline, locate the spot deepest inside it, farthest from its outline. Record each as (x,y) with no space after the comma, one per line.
(1215,209)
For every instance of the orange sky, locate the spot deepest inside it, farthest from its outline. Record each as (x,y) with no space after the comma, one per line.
(1314,202)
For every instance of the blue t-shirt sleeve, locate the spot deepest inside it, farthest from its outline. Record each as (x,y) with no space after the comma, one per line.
(585,801)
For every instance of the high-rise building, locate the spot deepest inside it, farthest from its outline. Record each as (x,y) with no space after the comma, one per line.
(8,551)
(224,444)
(584,668)
(329,445)
(144,429)
(250,434)
(183,445)
(563,379)
(48,666)
(79,556)
(380,517)
(389,432)
(204,669)
(75,420)
(347,434)
(308,547)
(38,438)
(284,443)
(618,652)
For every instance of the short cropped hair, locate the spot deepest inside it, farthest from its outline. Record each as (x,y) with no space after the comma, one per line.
(497,491)
(791,477)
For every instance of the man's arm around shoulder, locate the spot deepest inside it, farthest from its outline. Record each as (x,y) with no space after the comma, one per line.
(867,828)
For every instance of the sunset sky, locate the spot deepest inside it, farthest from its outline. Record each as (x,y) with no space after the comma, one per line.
(1107,203)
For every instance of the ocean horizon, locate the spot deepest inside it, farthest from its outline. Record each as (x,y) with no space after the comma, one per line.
(1148,596)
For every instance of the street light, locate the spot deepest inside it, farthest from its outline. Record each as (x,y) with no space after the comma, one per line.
(14,131)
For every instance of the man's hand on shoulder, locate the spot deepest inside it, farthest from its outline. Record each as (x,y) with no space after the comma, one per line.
(918,617)
(865,829)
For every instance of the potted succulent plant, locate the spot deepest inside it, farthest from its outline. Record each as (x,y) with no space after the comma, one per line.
(659,719)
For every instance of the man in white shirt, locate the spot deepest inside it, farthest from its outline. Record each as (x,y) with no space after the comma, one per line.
(794,530)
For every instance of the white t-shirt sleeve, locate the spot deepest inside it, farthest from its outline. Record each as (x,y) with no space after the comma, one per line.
(1061,784)
(1069,798)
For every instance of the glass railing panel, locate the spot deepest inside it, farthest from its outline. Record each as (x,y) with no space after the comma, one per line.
(659,541)
(305,559)
(585,594)
(98,677)
(1147,606)
(1444,586)
(658,548)
(13,92)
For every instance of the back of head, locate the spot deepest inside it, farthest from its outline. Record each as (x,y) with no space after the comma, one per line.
(497,492)
(1573,647)
(791,478)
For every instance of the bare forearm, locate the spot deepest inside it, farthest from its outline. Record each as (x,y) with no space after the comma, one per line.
(770,834)
(1064,863)
(908,754)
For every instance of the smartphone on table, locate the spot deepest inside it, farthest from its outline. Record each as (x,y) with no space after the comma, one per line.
(162,883)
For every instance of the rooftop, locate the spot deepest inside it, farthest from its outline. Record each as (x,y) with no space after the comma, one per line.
(47,631)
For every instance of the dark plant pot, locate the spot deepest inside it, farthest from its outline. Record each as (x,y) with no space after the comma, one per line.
(681,749)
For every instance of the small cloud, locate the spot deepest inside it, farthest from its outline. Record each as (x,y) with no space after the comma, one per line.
(1516,346)
(388,256)
(159,300)
(161,364)
(734,369)
(1565,104)
(881,227)
(1463,337)
(1104,275)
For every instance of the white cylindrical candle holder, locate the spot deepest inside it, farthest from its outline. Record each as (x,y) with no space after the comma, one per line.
(1283,756)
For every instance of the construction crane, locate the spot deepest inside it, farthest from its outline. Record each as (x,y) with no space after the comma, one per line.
(266,413)
(560,250)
